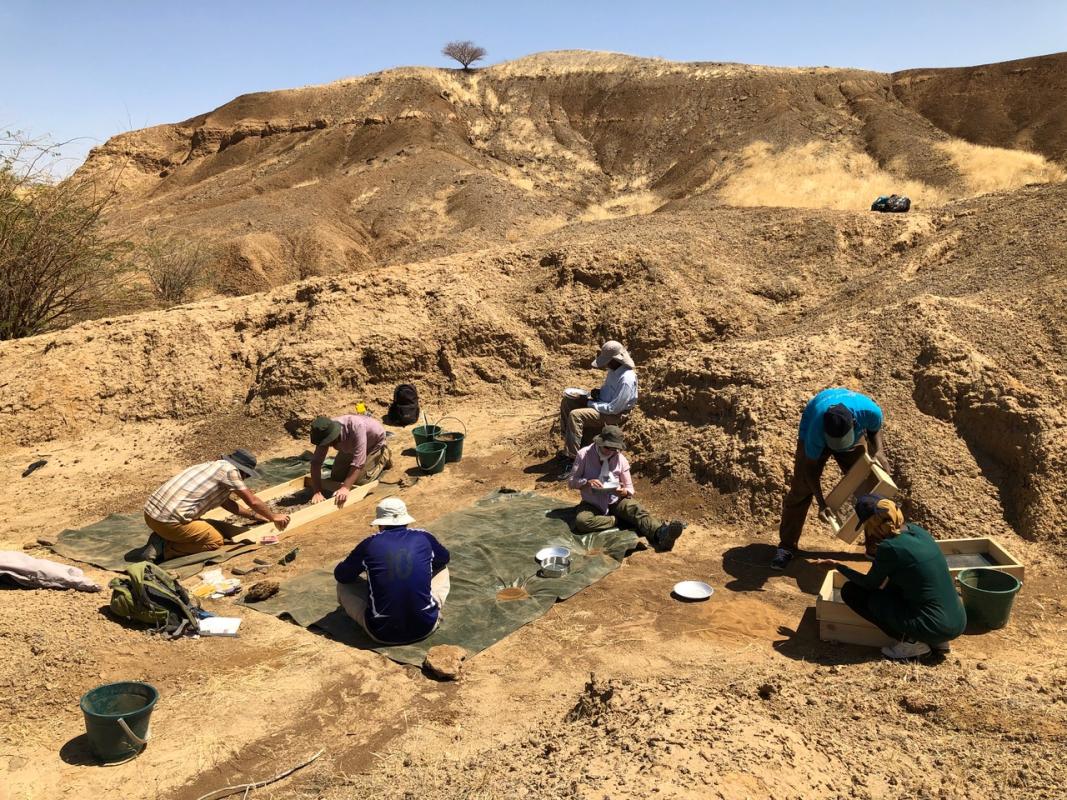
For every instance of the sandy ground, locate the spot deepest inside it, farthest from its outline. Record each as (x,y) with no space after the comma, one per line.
(732,698)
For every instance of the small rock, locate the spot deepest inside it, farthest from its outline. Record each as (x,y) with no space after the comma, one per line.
(444,661)
(981,665)
(250,569)
(31,545)
(46,541)
(915,704)
(261,591)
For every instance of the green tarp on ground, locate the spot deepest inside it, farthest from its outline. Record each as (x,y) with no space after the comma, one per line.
(492,546)
(112,543)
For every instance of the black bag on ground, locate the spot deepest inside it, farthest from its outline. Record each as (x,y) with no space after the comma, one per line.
(404,410)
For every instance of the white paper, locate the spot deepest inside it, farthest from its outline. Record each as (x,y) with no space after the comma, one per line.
(219,626)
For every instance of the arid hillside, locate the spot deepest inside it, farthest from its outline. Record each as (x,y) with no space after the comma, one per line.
(1016,104)
(417,163)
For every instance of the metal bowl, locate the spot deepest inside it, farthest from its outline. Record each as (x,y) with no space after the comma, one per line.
(554,567)
(557,551)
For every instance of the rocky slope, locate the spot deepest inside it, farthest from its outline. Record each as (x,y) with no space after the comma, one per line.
(411,164)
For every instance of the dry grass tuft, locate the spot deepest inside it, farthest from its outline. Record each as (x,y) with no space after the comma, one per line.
(996,169)
(817,175)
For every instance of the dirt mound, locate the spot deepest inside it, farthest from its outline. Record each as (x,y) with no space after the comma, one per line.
(412,164)
(720,734)
(1014,104)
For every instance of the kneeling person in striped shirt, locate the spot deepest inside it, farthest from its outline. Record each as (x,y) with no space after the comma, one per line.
(174,510)
(407,580)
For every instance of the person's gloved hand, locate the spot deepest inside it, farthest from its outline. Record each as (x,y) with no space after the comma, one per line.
(594,395)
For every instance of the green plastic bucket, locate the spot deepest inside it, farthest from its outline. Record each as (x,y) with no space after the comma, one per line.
(430,456)
(425,434)
(988,595)
(117,717)
(452,440)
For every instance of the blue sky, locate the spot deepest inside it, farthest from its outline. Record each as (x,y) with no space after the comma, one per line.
(75,68)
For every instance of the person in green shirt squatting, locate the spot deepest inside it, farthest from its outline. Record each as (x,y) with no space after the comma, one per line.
(908,593)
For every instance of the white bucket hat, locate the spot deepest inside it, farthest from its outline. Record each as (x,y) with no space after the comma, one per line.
(392,511)
(612,349)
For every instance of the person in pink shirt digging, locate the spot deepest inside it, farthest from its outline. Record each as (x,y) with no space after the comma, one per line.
(362,454)
(602,474)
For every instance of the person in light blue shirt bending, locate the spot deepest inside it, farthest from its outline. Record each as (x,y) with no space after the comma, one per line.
(838,423)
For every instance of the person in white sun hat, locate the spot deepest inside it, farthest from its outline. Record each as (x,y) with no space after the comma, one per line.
(406,578)
(581,412)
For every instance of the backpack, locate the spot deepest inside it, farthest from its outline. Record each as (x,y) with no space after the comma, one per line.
(147,593)
(404,410)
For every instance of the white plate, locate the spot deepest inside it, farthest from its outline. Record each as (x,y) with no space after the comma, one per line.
(576,393)
(549,552)
(693,590)
(609,486)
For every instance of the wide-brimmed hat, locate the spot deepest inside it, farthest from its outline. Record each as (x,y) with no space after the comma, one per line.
(612,349)
(611,437)
(244,461)
(392,511)
(324,430)
(839,427)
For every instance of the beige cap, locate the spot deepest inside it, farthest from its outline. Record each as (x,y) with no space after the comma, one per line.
(612,349)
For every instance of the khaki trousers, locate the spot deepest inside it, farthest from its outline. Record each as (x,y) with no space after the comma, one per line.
(355,598)
(576,418)
(377,463)
(626,513)
(187,538)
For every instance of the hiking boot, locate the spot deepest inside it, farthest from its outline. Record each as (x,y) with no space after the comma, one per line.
(905,649)
(153,551)
(663,539)
(568,465)
(781,558)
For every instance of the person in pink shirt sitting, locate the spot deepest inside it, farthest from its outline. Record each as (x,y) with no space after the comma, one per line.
(602,474)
